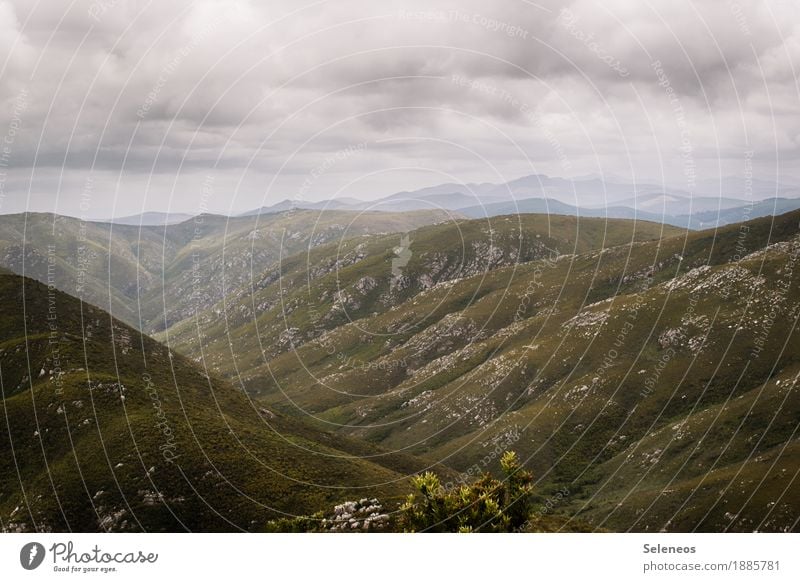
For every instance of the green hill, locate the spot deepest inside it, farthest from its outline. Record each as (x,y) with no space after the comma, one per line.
(646,376)
(154,276)
(332,286)
(105,429)
(639,374)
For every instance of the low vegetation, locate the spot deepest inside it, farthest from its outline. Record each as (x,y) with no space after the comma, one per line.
(646,378)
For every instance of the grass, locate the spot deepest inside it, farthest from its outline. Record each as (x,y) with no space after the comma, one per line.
(83,451)
(471,367)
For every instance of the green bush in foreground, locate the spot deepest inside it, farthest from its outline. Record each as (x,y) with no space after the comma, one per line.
(487,505)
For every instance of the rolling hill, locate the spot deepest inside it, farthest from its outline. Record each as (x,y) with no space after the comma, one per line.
(104,429)
(331,286)
(652,378)
(153,276)
(645,374)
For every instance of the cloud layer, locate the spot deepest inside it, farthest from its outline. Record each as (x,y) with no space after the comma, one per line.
(114,107)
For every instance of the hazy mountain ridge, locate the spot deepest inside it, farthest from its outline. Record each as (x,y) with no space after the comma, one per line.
(712,203)
(151,219)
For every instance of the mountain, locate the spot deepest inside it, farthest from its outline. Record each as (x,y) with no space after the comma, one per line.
(554,207)
(445,201)
(646,376)
(151,219)
(750,188)
(153,276)
(433,198)
(714,218)
(576,192)
(104,429)
(284,205)
(449,196)
(730,211)
(584,192)
(648,372)
(540,206)
(311,294)
(579,192)
(732,199)
(471,190)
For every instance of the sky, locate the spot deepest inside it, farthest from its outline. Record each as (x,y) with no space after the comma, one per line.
(114,107)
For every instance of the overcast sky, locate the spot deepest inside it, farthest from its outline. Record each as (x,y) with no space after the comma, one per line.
(111,107)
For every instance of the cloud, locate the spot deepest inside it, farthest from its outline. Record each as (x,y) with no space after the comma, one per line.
(145,96)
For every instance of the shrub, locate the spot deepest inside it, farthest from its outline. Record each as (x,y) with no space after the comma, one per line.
(487,505)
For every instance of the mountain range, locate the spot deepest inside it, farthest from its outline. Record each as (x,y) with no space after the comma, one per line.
(652,373)
(712,202)
(645,374)
(150,219)
(709,204)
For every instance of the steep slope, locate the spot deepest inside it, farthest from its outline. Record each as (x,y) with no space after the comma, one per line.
(105,429)
(604,367)
(312,293)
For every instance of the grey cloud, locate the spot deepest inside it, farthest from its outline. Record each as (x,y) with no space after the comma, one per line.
(238,87)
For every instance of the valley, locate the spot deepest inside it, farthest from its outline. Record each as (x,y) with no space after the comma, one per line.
(644,374)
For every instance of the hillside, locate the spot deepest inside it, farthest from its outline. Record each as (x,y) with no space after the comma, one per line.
(152,276)
(605,363)
(331,286)
(104,429)
(646,376)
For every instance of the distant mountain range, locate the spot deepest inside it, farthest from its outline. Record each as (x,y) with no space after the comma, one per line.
(150,219)
(715,203)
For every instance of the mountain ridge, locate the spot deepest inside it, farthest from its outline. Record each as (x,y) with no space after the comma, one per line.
(506,363)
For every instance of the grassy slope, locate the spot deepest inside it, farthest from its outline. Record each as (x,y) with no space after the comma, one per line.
(81,449)
(157,275)
(331,286)
(455,369)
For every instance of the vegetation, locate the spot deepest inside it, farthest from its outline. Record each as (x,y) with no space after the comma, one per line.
(104,429)
(623,374)
(152,277)
(484,505)
(487,505)
(648,377)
